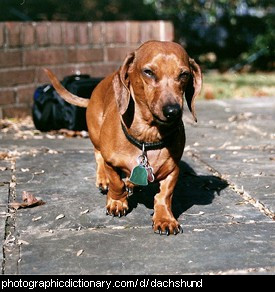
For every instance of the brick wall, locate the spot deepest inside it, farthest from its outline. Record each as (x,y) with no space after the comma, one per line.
(96,48)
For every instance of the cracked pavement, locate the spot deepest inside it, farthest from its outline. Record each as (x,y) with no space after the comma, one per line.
(224,200)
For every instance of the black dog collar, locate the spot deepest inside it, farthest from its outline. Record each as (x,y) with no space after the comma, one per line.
(145,146)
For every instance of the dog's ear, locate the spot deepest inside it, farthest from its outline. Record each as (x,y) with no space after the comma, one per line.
(121,84)
(193,87)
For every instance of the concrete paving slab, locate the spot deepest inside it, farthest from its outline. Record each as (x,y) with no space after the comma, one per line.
(128,251)
(223,231)
(238,141)
(8,142)
(66,190)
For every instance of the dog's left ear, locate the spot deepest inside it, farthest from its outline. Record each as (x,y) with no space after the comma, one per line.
(193,87)
(121,84)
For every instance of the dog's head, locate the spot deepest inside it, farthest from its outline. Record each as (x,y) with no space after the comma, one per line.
(157,76)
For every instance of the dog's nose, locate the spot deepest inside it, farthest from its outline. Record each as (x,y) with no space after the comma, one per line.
(171,111)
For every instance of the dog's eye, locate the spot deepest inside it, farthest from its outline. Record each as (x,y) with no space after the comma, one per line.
(184,75)
(149,73)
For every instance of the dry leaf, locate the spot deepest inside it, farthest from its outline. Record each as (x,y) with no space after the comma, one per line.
(16,205)
(29,200)
(50,151)
(60,216)
(84,212)
(197,214)
(39,172)
(20,241)
(3,155)
(80,252)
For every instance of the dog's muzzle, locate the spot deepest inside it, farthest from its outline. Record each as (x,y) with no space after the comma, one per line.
(172,112)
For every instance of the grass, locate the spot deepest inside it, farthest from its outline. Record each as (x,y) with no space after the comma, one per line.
(234,85)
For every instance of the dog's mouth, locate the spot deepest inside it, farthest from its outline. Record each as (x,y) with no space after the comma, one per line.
(166,123)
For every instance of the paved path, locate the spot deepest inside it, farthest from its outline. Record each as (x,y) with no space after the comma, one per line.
(224,200)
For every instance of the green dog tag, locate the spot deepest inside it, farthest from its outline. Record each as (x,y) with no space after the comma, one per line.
(139,176)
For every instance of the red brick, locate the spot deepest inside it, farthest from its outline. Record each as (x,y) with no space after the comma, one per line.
(169,31)
(28,33)
(151,30)
(15,77)
(41,30)
(44,57)
(134,32)
(10,58)
(146,31)
(2,39)
(25,94)
(118,53)
(156,30)
(7,97)
(82,33)
(55,35)
(13,33)
(60,73)
(97,33)
(85,55)
(102,70)
(69,33)
(16,112)
(116,32)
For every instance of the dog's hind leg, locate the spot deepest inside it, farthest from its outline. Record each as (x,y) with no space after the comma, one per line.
(102,181)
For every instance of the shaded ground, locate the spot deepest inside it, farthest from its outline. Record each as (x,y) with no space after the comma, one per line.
(224,199)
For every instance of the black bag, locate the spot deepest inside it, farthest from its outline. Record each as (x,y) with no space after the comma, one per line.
(51,112)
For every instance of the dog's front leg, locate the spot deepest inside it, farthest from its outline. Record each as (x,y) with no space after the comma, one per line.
(117,204)
(164,221)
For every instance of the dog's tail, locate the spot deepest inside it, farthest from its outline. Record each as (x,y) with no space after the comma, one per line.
(64,93)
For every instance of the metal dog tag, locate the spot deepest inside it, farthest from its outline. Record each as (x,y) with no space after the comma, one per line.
(139,176)
(150,174)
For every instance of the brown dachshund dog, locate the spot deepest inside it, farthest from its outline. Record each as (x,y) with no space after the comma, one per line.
(134,118)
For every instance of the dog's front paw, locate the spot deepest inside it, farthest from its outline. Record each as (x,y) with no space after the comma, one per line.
(166,226)
(117,207)
(102,182)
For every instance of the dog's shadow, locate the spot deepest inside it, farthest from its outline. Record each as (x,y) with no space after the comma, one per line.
(191,189)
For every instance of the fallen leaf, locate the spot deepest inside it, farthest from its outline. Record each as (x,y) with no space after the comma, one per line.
(50,136)
(16,205)
(197,214)
(80,252)
(50,151)
(20,241)
(29,200)
(3,155)
(39,172)
(84,212)
(3,168)
(198,230)
(36,218)
(60,216)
